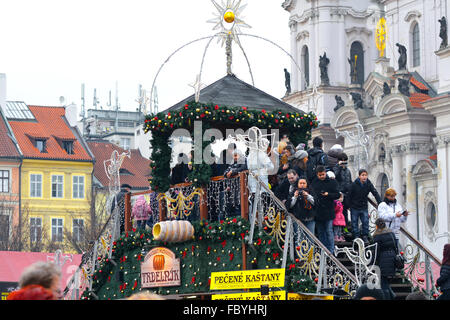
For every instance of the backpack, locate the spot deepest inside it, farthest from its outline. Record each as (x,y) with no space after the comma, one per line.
(314,161)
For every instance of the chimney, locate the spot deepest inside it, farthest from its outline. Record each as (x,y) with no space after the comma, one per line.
(71,114)
(3,90)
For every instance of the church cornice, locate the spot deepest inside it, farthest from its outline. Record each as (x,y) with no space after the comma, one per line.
(412,14)
(302,35)
(288,5)
(306,15)
(358,31)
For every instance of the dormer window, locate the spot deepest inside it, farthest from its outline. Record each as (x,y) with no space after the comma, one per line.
(68,146)
(40,145)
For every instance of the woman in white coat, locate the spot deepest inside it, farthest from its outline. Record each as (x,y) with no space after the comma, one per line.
(392,213)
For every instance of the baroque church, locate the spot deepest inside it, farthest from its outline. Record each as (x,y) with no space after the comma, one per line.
(377,75)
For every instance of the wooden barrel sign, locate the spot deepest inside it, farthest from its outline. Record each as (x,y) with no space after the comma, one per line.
(158,262)
(173,231)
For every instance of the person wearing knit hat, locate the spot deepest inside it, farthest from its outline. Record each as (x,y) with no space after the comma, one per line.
(299,162)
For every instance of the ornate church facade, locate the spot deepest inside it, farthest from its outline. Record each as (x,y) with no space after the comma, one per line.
(377,74)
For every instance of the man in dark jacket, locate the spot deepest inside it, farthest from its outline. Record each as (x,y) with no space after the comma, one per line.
(316,157)
(359,191)
(325,191)
(288,185)
(443,281)
(180,171)
(239,164)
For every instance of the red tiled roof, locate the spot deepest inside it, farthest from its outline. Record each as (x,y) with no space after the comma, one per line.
(137,165)
(7,147)
(15,262)
(416,99)
(418,84)
(50,125)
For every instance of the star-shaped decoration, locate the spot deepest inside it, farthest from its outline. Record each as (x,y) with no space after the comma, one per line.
(228,19)
(197,85)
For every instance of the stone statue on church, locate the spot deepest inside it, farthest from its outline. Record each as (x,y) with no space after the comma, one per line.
(287,81)
(403,57)
(443,33)
(353,74)
(386,90)
(339,103)
(323,65)
(357,100)
(403,87)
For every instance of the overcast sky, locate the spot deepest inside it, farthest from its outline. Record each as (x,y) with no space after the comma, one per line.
(50,47)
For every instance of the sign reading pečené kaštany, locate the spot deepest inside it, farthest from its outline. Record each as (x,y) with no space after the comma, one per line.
(273,295)
(247,279)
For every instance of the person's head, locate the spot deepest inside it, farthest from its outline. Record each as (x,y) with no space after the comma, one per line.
(390,194)
(363,175)
(380,224)
(343,157)
(301,155)
(321,172)
(237,156)
(32,292)
(292,176)
(341,197)
(317,142)
(45,274)
(290,151)
(416,295)
(366,293)
(302,183)
(446,255)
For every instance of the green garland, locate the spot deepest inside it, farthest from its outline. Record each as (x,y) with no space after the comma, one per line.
(215,247)
(161,125)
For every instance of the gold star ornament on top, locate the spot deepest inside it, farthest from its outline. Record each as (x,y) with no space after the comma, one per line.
(228,19)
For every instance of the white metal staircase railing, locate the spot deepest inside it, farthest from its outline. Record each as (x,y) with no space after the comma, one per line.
(312,257)
(419,259)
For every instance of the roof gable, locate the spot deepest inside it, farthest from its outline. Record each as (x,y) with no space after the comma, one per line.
(233,92)
(49,125)
(135,170)
(8,148)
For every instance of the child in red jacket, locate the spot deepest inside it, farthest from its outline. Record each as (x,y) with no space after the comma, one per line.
(339,220)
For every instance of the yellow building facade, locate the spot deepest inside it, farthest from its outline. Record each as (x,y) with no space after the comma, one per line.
(56,196)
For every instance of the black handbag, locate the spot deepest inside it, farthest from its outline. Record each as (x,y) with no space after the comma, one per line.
(399,260)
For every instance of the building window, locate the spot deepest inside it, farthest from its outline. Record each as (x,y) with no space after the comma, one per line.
(78,230)
(40,145)
(35,229)
(78,187)
(125,143)
(4,225)
(416,45)
(305,59)
(36,185)
(57,186)
(68,146)
(431,215)
(4,181)
(357,52)
(57,229)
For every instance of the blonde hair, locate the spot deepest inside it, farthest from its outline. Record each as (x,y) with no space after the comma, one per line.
(390,192)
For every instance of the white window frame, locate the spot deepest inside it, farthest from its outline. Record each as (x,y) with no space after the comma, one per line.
(3,179)
(33,228)
(33,192)
(78,187)
(59,186)
(57,229)
(77,230)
